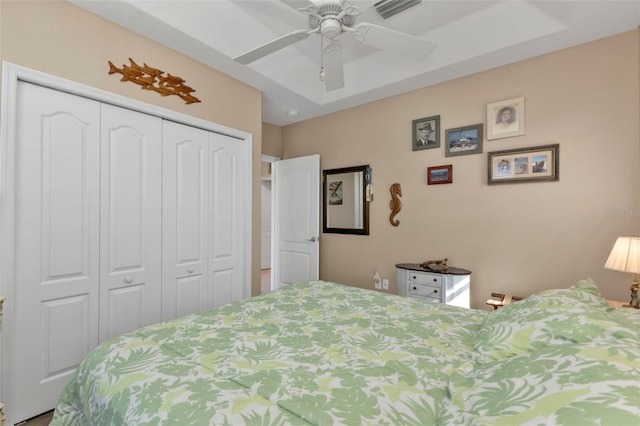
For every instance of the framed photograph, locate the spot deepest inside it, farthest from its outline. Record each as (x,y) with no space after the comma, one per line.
(463,140)
(534,164)
(505,119)
(439,174)
(335,193)
(425,133)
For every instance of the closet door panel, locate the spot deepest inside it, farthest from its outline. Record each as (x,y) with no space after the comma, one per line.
(56,256)
(185,226)
(130,223)
(226,205)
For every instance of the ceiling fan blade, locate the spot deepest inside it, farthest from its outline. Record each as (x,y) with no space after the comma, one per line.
(393,41)
(272,46)
(333,67)
(298,4)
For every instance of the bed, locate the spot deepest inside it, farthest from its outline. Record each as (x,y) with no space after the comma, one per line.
(328,354)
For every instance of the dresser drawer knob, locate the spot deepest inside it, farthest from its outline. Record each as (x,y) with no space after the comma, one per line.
(415,288)
(128,279)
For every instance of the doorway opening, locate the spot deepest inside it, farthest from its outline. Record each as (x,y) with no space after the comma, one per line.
(266,225)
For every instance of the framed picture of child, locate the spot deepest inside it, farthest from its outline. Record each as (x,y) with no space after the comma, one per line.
(505,119)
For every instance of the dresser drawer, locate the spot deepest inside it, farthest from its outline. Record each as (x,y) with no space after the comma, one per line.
(424,278)
(425,290)
(425,299)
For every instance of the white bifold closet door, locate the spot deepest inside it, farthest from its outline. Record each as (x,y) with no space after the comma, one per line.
(56,275)
(203,203)
(87,235)
(185,225)
(130,221)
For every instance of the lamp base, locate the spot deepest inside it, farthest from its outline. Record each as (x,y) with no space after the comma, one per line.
(635,303)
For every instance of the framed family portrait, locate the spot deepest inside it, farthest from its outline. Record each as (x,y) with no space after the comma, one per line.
(533,164)
(425,133)
(505,119)
(463,140)
(439,174)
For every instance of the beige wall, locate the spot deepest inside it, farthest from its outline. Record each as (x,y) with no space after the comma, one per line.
(516,238)
(62,39)
(271,140)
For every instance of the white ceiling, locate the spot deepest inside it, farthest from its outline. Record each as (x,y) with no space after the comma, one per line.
(470,36)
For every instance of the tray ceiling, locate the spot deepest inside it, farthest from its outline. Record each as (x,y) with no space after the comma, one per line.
(470,36)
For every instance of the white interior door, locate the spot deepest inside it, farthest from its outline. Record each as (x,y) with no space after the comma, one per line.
(296,223)
(130,221)
(56,278)
(184,219)
(265,262)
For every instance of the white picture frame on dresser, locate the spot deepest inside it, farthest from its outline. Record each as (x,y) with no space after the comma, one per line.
(451,288)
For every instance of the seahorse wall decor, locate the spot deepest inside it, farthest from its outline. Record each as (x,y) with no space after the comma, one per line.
(395,204)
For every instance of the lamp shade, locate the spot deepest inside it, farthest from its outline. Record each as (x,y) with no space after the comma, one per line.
(625,255)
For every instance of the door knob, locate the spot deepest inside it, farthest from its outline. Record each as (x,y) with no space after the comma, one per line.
(313,239)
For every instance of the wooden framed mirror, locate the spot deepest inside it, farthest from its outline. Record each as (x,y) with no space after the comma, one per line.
(344,208)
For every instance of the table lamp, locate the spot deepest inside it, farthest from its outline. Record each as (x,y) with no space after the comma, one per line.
(625,256)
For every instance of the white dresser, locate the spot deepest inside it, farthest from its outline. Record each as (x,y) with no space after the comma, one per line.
(451,288)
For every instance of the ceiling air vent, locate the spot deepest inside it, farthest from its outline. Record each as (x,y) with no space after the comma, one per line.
(388,8)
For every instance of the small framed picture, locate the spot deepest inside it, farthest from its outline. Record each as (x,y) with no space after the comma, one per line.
(439,174)
(505,119)
(463,140)
(533,164)
(335,193)
(425,133)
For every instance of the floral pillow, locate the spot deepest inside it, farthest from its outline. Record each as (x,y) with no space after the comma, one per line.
(552,317)
(581,384)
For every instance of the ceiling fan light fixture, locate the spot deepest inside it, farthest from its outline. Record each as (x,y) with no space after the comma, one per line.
(388,8)
(330,28)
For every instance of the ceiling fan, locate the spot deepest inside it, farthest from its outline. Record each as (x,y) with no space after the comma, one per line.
(330,19)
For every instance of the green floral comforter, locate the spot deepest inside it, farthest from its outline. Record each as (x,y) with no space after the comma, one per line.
(324,353)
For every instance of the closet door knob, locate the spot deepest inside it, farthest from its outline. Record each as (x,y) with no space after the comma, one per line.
(128,279)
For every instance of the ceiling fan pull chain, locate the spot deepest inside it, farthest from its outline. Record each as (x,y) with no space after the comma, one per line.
(321,58)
